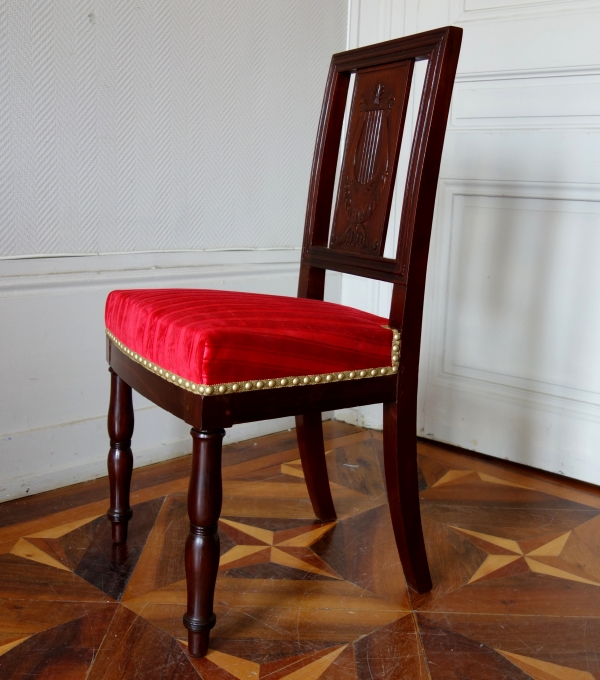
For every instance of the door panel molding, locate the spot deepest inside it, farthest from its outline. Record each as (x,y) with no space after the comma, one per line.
(443,370)
(534,98)
(489,10)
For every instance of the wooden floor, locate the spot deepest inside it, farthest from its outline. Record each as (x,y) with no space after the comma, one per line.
(515,559)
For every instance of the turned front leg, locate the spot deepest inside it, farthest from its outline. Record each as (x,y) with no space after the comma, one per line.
(205,497)
(120,458)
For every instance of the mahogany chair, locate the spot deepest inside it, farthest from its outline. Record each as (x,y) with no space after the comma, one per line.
(216,358)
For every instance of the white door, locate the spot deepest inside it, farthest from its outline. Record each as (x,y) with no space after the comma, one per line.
(510,361)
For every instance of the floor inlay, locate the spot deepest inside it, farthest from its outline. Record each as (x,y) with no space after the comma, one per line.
(515,562)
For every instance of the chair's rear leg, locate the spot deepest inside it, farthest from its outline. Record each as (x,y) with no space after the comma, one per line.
(309,430)
(120,458)
(400,456)
(205,496)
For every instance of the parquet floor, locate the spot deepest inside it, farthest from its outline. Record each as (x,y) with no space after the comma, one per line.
(515,561)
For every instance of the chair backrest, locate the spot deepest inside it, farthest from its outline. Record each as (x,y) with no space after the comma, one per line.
(353,240)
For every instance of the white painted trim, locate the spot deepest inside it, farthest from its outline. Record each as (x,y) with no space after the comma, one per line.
(514,12)
(40,256)
(121,262)
(353,24)
(370,416)
(517,74)
(44,276)
(569,191)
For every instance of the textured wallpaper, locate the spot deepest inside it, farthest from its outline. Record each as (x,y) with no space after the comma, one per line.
(159,124)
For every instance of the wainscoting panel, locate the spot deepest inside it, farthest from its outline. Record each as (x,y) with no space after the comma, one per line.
(55,384)
(516,269)
(565,98)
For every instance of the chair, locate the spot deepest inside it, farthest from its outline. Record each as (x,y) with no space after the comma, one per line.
(216,358)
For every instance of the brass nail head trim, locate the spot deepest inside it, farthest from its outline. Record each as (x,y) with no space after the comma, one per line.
(272,383)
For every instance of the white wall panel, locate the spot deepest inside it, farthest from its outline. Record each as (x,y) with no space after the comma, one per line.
(174,124)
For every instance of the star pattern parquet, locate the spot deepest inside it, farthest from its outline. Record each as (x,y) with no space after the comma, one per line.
(515,560)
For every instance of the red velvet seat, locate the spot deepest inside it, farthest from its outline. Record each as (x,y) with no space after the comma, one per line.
(219,341)
(216,359)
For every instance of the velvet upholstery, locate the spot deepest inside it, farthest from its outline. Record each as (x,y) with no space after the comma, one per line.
(212,337)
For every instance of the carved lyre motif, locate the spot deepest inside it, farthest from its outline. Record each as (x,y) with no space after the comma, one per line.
(367,169)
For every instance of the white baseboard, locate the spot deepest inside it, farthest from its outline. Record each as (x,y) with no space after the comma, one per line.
(370,416)
(52,458)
